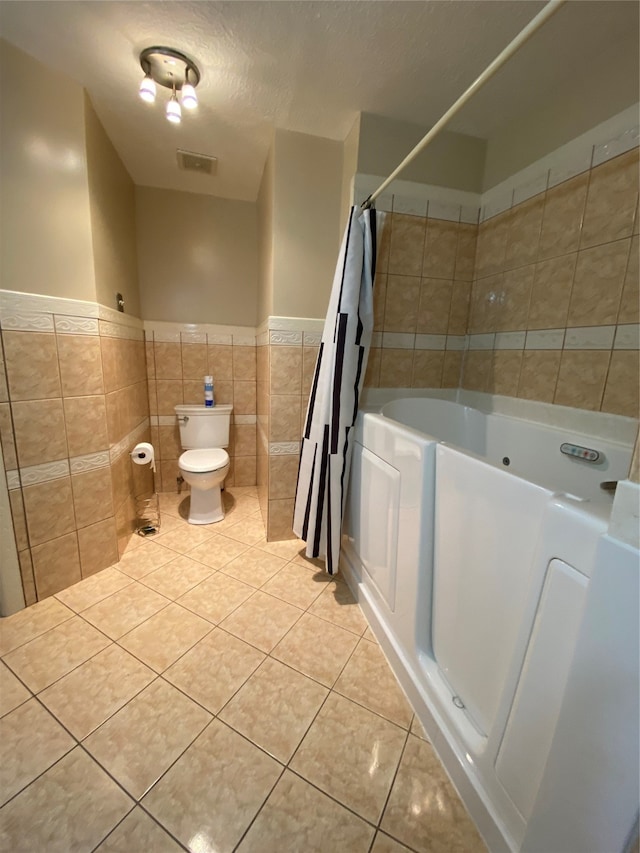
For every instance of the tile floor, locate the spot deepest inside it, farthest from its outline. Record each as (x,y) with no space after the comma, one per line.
(212,692)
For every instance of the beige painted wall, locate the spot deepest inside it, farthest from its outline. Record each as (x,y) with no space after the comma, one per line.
(561,117)
(113,220)
(197,257)
(45,243)
(306,233)
(265,239)
(349,169)
(452,160)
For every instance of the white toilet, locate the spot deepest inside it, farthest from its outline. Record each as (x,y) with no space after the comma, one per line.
(204,432)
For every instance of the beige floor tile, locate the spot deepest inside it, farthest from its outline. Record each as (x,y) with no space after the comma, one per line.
(232,778)
(352,755)
(248,530)
(423,810)
(174,504)
(337,605)
(124,610)
(93,692)
(298,817)
(367,679)
(262,620)
(312,563)
(168,522)
(369,635)
(141,561)
(214,669)
(216,598)
(135,542)
(186,537)
(177,577)
(12,692)
(384,844)
(417,728)
(52,655)
(273,687)
(254,567)
(165,636)
(30,623)
(30,742)
(286,548)
(296,585)
(316,648)
(143,739)
(51,814)
(218,551)
(101,585)
(138,833)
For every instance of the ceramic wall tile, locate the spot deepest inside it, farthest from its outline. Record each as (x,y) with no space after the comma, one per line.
(86,424)
(98,546)
(611,200)
(80,359)
(39,431)
(407,244)
(539,374)
(598,281)
(563,213)
(621,393)
(401,309)
(194,362)
(31,363)
(435,306)
(440,249)
(56,564)
(49,510)
(581,378)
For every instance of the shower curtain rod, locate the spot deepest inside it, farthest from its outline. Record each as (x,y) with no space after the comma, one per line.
(524,35)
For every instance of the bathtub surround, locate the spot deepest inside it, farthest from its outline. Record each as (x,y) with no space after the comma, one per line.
(179,356)
(73,404)
(549,308)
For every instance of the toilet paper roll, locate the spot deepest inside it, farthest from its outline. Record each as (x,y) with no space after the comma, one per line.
(143,454)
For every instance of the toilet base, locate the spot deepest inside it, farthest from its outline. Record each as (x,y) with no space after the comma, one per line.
(206,506)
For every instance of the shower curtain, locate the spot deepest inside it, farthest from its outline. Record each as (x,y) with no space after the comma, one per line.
(325,454)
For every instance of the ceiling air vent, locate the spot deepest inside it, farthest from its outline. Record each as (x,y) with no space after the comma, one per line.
(191,162)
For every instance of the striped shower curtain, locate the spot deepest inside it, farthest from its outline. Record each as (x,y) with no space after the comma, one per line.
(325,454)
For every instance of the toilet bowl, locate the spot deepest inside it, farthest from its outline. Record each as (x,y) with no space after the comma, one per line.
(204,433)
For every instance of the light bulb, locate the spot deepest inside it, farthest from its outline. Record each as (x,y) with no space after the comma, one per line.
(189,97)
(174,113)
(147,90)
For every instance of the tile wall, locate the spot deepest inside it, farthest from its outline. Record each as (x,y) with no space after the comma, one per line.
(554,307)
(286,362)
(177,362)
(421,300)
(73,402)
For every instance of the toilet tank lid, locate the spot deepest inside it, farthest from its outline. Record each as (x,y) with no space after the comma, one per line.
(192,411)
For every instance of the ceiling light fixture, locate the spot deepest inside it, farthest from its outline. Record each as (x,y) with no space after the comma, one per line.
(174,70)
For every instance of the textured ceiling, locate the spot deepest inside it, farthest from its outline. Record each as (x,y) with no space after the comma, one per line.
(308,67)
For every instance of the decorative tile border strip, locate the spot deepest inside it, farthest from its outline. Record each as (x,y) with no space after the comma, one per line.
(89,462)
(286,338)
(117,330)
(13,479)
(623,337)
(13,302)
(43,473)
(25,321)
(170,420)
(284,448)
(68,325)
(116,450)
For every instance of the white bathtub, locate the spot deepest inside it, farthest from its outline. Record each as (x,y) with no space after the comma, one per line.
(473,544)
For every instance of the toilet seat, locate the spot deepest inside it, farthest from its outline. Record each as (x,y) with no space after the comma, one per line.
(200,461)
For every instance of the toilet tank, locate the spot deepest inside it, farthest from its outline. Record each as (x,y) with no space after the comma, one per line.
(202,426)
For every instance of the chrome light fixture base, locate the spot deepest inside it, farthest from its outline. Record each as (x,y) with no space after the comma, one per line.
(169,67)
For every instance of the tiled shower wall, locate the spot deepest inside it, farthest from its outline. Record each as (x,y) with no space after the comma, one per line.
(421,301)
(176,365)
(73,402)
(554,307)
